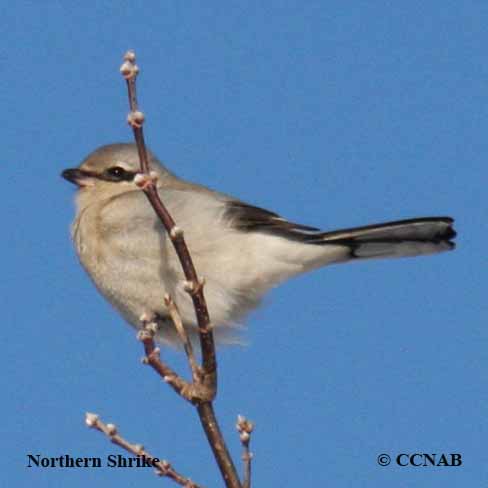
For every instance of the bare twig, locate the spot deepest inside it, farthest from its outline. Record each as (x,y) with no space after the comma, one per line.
(204,387)
(174,313)
(245,428)
(194,392)
(189,391)
(148,185)
(162,467)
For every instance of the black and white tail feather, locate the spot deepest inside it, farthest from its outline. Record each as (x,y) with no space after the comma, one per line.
(402,238)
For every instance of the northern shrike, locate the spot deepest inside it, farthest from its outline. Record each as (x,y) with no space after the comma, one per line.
(241,250)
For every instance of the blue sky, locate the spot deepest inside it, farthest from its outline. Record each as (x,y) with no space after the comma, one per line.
(333,114)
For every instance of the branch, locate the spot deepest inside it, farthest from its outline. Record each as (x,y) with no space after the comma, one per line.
(147,183)
(245,428)
(195,392)
(204,378)
(174,313)
(190,391)
(162,467)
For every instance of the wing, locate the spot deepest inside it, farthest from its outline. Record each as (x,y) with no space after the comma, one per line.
(249,218)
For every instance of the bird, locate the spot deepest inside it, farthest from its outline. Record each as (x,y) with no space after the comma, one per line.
(241,250)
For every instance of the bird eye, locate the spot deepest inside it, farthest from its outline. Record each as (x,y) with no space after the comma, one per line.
(117,173)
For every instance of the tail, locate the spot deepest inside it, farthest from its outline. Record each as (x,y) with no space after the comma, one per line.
(413,237)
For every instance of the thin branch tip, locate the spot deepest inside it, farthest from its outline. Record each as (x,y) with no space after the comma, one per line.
(245,428)
(130,55)
(136,119)
(244,425)
(163,468)
(129,69)
(91,419)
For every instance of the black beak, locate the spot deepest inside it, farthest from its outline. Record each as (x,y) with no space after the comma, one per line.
(75,175)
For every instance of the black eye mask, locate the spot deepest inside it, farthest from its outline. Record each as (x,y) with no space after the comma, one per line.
(117,173)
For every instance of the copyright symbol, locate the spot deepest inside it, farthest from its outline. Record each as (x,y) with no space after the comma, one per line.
(383,460)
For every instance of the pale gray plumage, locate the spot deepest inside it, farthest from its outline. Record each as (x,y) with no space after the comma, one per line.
(241,250)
